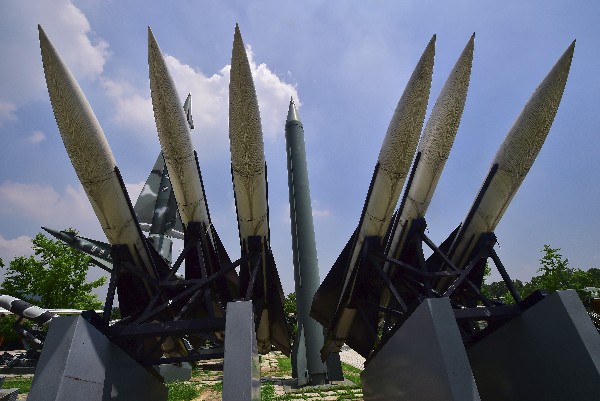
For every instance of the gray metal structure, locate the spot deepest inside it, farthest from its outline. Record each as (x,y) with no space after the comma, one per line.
(241,365)
(309,339)
(79,363)
(550,352)
(424,360)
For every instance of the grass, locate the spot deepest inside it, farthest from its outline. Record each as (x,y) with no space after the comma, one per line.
(182,391)
(284,364)
(351,373)
(22,383)
(187,391)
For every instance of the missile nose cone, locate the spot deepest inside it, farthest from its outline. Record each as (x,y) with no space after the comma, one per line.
(245,130)
(292,112)
(405,127)
(81,133)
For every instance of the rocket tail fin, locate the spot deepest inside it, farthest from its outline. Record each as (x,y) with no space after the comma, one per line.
(156,208)
(326,298)
(267,298)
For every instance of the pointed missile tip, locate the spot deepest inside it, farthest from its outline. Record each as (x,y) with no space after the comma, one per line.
(151,38)
(292,112)
(42,35)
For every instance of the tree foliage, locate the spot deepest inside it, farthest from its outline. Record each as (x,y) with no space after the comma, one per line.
(54,277)
(289,307)
(555,274)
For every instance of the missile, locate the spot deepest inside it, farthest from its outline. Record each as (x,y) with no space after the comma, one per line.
(26,310)
(175,140)
(306,267)
(97,171)
(248,170)
(156,208)
(432,153)
(184,174)
(512,162)
(99,251)
(392,167)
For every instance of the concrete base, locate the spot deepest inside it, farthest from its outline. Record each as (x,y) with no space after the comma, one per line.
(78,363)
(550,352)
(424,360)
(298,359)
(241,365)
(175,372)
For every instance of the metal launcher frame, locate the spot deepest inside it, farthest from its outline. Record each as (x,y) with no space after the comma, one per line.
(179,297)
(415,279)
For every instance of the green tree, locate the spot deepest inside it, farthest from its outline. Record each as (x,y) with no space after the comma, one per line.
(55,277)
(289,307)
(557,275)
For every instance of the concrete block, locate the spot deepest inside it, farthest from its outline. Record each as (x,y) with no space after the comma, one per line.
(78,363)
(424,360)
(551,352)
(241,365)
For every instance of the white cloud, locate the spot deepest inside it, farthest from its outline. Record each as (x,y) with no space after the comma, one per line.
(7,112)
(10,248)
(132,110)
(36,137)
(273,97)
(210,101)
(21,73)
(45,205)
(321,213)
(134,190)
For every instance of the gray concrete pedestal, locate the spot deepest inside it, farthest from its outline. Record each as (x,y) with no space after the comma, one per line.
(241,365)
(424,360)
(551,352)
(78,363)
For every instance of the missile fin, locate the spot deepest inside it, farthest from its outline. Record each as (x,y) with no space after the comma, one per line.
(326,298)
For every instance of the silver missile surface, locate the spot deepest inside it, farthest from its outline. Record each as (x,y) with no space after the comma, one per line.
(185,176)
(175,139)
(248,170)
(92,158)
(512,161)
(433,150)
(330,305)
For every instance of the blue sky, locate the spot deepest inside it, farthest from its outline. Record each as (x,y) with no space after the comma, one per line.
(346,62)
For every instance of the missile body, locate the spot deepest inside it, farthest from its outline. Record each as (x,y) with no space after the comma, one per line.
(512,161)
(186,180)
(97,250)
(390,173)
(95,166)
(175,140)
(26,310)
(248,170)
(304,247)
(433,150)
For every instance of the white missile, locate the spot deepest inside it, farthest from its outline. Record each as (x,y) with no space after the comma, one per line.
(91,156)
(434,149)
(95,166)
(248,170)
(175,140)
(513,160)
(392,168)
(184,173)
(247,147)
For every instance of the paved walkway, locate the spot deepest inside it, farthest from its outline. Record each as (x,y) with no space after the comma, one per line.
(352,358)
